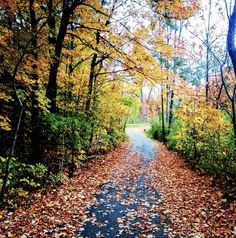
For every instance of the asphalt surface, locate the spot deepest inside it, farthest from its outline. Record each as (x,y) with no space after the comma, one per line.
(135,213)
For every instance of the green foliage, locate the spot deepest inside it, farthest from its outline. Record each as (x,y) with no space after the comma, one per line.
(69,132)
(134,109)
(155,130)
(25,175)
(106,139)
(210,150)
(213,152)
(117,136)
(22,178)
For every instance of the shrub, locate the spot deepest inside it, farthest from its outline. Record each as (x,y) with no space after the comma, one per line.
(22,178)
(155,130)
(201,133)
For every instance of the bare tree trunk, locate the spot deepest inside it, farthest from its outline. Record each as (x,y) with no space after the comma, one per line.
(143,114)
(207,50)
(52,81)
(148,102)
(51,23)
(167,103)
(232,53)
(234,119)
(91,83)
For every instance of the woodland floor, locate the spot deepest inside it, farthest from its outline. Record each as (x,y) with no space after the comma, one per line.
(140,189)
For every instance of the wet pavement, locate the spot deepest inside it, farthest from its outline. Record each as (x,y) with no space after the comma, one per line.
(130,210)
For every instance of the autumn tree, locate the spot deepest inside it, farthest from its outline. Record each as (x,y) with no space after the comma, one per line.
(67,11)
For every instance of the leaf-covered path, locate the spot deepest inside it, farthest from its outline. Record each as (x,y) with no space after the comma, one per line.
(125,206)
(139,189)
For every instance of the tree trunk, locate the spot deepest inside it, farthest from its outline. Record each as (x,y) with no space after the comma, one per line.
(15,136)
(163,116)
(8,165)
(167,103)
(51,92)
(36,154)
(207,50)
(234,119)
(232,53)
(231,37)
(51,24)
(171,109)
(207,75)
(91,84)
(148,102)
(143,115)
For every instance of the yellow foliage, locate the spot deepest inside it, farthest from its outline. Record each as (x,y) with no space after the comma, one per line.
(4,96)
(200,120)
(5,123)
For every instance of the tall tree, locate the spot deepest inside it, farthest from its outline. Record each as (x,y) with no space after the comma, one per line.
(35,134)
(232,53)
(68,8)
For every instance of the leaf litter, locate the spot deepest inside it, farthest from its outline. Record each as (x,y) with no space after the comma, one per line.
(121,195)
(194,206)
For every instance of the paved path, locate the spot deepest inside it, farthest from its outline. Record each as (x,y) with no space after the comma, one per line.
(130,210)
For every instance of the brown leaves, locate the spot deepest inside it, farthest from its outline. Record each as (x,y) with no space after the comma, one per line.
(189,200)
(60,212)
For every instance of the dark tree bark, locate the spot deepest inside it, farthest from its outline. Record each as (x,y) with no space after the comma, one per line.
(207,75)
(51,92)
(207,50)
(12,152)
(52,81)
(91,83)
(143,114)
(171,110)
(163,117)
(20,106)
(95,61)
(36,155)
(232,53)
(51,23)
(231,37)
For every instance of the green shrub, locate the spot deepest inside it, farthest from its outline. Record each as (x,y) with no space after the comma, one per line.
(22,178)
(67,131)
(156,132)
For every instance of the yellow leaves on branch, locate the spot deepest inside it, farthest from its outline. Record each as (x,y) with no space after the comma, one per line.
(5,123)
(6,47)
(202,116)
(5,36)
(92,15)
(4,120)
(4,96)
(111,105)
(201,126)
